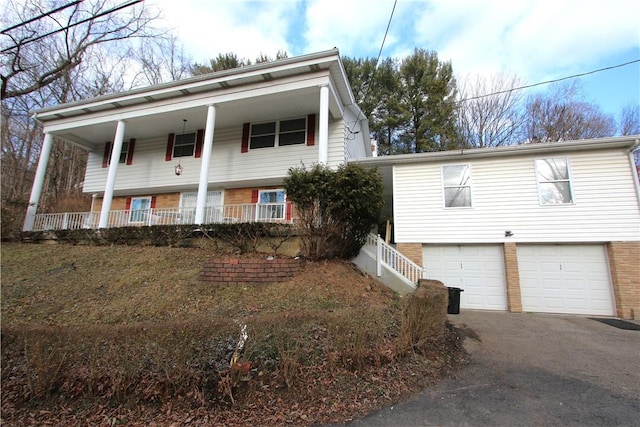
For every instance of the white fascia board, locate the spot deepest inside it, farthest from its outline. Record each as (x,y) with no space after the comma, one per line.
(234,78)
(525,149)
(186,102)
(336,107)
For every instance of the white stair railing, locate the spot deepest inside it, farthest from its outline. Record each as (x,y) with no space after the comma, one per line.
(391,258)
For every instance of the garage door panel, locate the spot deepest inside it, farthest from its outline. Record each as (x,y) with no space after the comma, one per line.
(477,269)
(565,279)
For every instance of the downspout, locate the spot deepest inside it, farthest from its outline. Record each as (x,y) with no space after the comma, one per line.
(634,170)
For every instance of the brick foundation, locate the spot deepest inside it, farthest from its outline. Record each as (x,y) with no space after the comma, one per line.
(413,251)
(624,264)
(234,271)
(512,275)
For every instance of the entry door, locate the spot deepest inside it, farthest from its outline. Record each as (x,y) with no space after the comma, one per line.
(213,210)
(477,269)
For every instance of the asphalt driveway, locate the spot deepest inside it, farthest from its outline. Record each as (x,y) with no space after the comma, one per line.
(531,369)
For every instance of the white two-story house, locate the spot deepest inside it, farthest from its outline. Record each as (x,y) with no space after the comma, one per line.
(206,149)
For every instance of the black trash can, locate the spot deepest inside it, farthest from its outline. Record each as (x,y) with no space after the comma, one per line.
(454,301)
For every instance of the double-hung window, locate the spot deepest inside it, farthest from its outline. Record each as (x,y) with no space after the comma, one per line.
(271,205)
(184,145)
(554,181)
(456,180)
(139,210)
(279,133)
(124,152)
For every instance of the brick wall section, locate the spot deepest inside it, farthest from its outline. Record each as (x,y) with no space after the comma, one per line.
(234,271)
(413,251)
(624,264)
(237,196)
(512,275)
(166,200)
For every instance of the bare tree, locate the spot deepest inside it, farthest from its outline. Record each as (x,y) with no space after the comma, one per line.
(561,115)
(161,59)
(630,120)
(50,58)
(489,111)
(41,51)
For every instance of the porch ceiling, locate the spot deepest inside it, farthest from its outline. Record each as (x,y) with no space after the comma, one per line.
(228,114)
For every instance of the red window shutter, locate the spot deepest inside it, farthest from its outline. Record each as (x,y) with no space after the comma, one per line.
(199,141)
(289,210)
(107,154)
(311,129)
(245,138)
(153,202)
(169,154)
(128,203)
(132,143)
(254,196)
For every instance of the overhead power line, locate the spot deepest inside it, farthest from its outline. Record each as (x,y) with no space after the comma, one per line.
(573,76)
(375,65)
(51,12)
(106,12)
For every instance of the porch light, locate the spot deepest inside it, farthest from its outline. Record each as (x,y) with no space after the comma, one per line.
(178,168)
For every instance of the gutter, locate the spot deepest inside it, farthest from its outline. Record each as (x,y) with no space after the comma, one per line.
(634,171)
(479,153)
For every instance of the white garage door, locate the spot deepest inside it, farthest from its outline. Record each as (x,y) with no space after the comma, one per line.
(565,279)
(477,269)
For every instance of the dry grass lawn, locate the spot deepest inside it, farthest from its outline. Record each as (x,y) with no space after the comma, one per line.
(129,335)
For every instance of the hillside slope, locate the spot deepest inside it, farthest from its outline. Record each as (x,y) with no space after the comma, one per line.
(322,347)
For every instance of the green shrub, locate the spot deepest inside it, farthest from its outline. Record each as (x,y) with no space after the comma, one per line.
(336,208)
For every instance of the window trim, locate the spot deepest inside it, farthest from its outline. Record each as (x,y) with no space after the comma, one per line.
(176,145)
(445,186)
(266,205)
(568,180)
(277,132)
(140,212)
(126,152)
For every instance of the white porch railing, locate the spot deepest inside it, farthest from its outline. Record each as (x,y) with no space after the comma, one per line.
(248,212)
(391,258)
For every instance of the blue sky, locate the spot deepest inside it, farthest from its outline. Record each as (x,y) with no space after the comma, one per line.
(536,40)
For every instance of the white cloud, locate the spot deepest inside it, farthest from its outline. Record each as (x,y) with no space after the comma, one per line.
(356,27)
(246,29)
(536,39)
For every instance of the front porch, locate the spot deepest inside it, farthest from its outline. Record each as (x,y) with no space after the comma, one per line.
(236,213)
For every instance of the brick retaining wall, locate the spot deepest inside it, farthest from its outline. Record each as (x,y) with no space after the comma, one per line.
(234,271)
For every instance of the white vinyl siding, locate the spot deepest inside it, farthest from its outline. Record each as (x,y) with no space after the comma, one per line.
(565,279)
(229,166)
(336,154)
(505,197)
(354,138)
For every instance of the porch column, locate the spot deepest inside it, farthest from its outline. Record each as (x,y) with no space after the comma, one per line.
(323,134)
(38,182)
(201,201)
(111,176)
